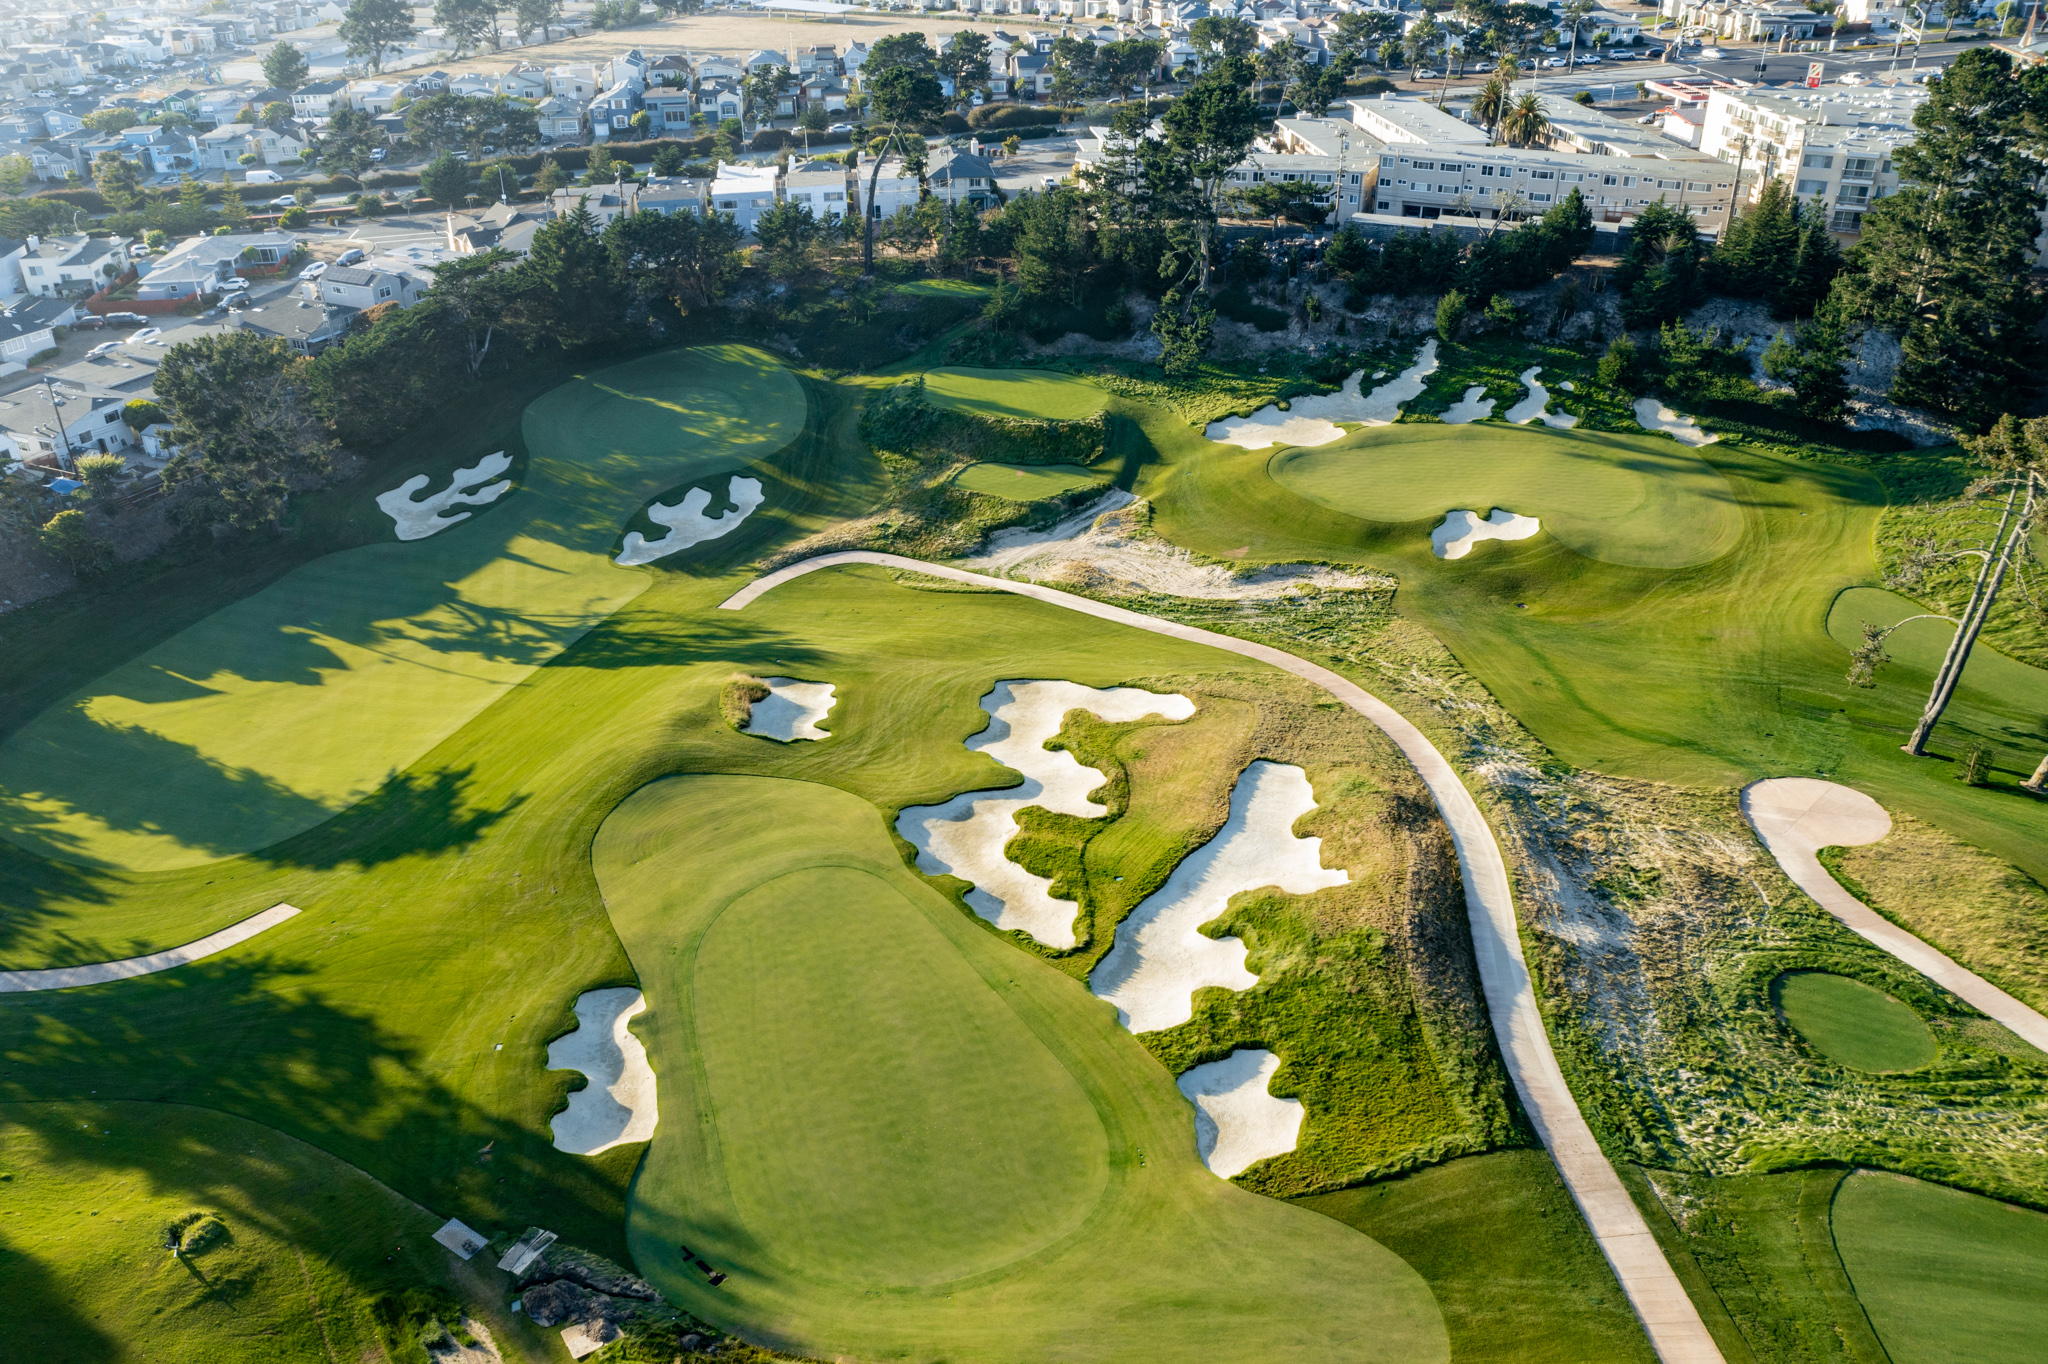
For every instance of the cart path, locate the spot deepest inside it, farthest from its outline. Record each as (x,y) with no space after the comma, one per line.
(70,977)
(1798,816)
(1659,1299)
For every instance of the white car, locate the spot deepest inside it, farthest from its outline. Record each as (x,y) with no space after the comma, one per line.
(1712,54)
(284,201)
(840,128)
(103,348)
(1589,60)
(1555,63)
(234,286)
(1425,74)
(152,336)
(314,271)
(1853,78)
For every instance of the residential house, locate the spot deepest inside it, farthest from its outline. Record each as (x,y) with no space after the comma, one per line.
(719,99)
(200,265)
(894,187)
(746,192)
(669,70)
(824,187)
(56,423)
(673,194)
(523,82)
(959,176)
(375,96)
(611,113)
(319,99)
(11,252)
(309,327)
(1031,75)
(760,59)
(576,81)
(74,266)
(669,109)
(23,336)
(561,119)
(365,286)
(509,227)
(601,202)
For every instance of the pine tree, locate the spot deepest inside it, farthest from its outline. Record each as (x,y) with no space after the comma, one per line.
(1754,258)
(1815,363)
(570,292)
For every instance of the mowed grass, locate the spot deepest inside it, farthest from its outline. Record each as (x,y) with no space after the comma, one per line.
(1851,1023)
(900,1137)
(1502,1246)
(290,705)
(1946,1277)
(1030,482)
(87,1190)
(1917,646)
(1632,500)
(1028,394)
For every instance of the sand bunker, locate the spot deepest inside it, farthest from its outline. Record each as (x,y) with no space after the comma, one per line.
(791,709)
(1469,408)
(1161,958)
(1652,415)
(1237,1121)
(99,973)
(1309,420)
(1463,529)
(688,525)
(1103,547)
(966,836)
(1531,408)
(617,1106)
(416,520)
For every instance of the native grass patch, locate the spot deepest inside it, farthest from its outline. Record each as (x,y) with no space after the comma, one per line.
(1852,1024)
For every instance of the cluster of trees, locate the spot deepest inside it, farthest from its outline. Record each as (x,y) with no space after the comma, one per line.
(1521,257)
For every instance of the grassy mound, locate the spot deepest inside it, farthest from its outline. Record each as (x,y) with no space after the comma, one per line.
(1945,1276)
(1620,499)
(290,705)
(897,1134)
(1852,1024)
(1029,483)
(1917,649)
(1019,394)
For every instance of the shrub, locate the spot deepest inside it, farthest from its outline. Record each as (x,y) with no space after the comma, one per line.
(141,413)
(1450,311)
(194,1233)
(295,216)
(69,538)
(737,697)
(990,116)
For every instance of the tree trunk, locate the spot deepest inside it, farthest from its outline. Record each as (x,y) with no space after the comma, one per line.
(2038,783)
(867,208)
(1973,625)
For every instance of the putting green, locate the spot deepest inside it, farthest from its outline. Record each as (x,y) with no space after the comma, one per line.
(1029,482)
(1032,394)
(1626,500)
(275,713)
(901,1138)
(1946,1277)
(1921,645)
(1852,1024)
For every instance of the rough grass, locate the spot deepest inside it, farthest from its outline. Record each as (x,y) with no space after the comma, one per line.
(1502,1246)
(1945,1276)
(2017,625)
(1852,1024)
(1916,651)
(887,1098)
(1980,910)
(737,697)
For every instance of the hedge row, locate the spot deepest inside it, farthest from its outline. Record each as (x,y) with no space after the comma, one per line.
(990,116)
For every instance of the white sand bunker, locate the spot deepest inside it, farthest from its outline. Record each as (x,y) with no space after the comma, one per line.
(1161,958)
(1531,408)
(688,525)
(1104,547)
(791,709)
(1652,415)
(1237,1120)
(617,1106)
(1309,420)
(1463,529)
(416,520)
(966,836)
(1469,408)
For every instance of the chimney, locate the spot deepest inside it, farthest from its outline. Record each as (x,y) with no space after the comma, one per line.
(35,243)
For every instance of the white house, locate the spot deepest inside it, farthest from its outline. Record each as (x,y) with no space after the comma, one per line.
(746,192)
(63,266)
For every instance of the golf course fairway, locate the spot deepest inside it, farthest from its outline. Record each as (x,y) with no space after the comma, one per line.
(1632,500)
(899,1137)
(282,709)
(1022,394)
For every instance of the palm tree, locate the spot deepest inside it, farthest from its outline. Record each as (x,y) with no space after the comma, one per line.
(1490,103)
(1525,121)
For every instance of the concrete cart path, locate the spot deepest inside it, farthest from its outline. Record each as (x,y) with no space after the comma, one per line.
(70,977)
(1667,1314)
(1798,816)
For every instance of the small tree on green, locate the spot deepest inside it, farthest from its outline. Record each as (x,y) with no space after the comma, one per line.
(668,160)
(68,538)
(1450,311)
(102,476)
(445,180)
(550,177)
(1501,312)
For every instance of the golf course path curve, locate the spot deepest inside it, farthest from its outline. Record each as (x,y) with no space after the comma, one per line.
(1798,816)
(70,977)
(1659,1299)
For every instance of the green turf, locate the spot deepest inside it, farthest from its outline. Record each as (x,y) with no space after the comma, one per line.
(1917,649)
(1031,394)
(1029,482)
(1852,1024)
(1501,1245)
(1629,500)
(902,1138)
(1947,1277)
(292,704)
(940,288)
(87,1190)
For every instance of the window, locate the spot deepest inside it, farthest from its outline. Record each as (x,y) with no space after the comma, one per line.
(1486,170)
(1667,184)
(1543,175)
(1628,182)
(1813,187)
(1846,221)
(1697,187)
(728,203)
(1815,161)
(113,417)
(384,293)
(1859,165)
(832,195)
(1540,198)
(1451,166)
(1383,206)
(35,269)
(1425,165)
(1608,180)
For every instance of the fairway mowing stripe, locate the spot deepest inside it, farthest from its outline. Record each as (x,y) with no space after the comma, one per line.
(1776,814)
(1669,1318)
(70,977)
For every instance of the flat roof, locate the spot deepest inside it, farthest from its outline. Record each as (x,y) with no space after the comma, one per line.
(1422,122)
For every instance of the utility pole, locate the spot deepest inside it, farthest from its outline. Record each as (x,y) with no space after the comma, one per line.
(63,436)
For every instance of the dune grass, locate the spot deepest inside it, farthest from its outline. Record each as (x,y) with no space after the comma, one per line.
(1501,1245)
(290,705)
(1631,500)
(898,1136)
(1030,482)
(1946,1277)
(1852,1024)
(1027,394)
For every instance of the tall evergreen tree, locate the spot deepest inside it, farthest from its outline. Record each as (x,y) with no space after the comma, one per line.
(1754,257)
(570,291)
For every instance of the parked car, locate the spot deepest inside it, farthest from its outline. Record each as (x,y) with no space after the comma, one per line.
(1555,63)
(284,201)
(237,285)
(314,271)
(1621,56)
(350,256)
(1853,78)
(840,128)
(103,348)
(125,319)
(1425,74)
(136,251)
(1590,59)
(377,153)
(264,177)
(89,322)
(148,336)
